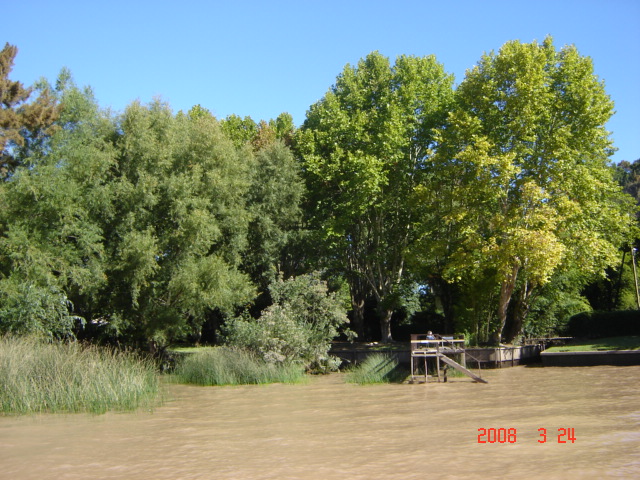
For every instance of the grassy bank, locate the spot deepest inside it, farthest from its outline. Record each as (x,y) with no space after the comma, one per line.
(377,368)
(228,366)
(68,377)
(599,344)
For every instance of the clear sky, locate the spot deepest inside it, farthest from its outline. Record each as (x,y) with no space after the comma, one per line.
(262,58)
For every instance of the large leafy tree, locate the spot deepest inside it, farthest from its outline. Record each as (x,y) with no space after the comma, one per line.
(521,183)
(137,225)
(179,223)
(364,147)
(22,123)
(52,256)
(274,198)
(275,206)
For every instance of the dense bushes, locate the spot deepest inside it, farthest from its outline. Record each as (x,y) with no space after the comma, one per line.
(68,377)
(604,324)
(297,328)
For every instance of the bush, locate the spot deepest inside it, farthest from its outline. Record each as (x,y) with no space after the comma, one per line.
(231,366)
(298,328)
(604,324)
(377,368)
(67,377)
(26,308)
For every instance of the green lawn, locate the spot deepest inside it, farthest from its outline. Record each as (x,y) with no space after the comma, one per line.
(591,345)
(190,349)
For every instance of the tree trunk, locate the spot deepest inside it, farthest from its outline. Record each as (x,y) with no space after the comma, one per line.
(519,312)
(358,291)
(357,308)
(385,326)
(506,291)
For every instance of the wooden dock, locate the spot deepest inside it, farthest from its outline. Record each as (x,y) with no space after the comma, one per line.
(425,347)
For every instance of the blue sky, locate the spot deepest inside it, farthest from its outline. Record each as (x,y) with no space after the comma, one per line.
(262,58)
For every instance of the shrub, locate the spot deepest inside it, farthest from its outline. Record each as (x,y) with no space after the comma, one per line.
(26,308)
(297,328)
(68,377)
(233,366)
(604,324)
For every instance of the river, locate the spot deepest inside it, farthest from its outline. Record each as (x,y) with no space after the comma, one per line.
(328,429)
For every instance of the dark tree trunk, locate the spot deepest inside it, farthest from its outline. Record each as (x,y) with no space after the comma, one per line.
(385,326)
(519,312)
(357,309)
(358,300)
(506,292)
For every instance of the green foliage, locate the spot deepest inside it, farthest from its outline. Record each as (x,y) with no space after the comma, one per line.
(233,366)
(274,202)
(149,225)
(604,324)
(377,368)
(520,187)
(554,304)
(22,125)
(298,328)
(241,131)
(51,243)
(31,309)
(364,147)
(41,377)
(139,222)
(180,223)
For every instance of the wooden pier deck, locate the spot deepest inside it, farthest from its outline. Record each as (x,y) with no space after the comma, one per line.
(425,347)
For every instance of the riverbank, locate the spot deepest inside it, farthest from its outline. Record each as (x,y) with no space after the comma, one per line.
(494,357)
(621,351)
(42,377)
(563,352)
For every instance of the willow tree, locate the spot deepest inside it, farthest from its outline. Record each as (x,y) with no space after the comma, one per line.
(178,223)
(364,147)
(529,190)
(52,255)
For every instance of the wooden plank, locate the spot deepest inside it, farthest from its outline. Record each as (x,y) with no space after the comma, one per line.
(459,367)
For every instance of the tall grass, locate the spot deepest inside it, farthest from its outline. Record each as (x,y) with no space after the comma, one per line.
(230,366)
(377,368)
(68,377)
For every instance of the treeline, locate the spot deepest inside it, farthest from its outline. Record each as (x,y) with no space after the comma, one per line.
(489,209)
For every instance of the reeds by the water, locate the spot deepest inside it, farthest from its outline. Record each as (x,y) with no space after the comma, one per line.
(377,368)
(230,366)
(68,377)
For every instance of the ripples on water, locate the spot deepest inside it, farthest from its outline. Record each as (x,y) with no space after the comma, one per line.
(331,430)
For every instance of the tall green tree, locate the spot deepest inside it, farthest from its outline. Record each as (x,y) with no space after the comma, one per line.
(274,202)
(527,187)
(364,147)
(52,256)
(21,122)
(179,226)
(274,198)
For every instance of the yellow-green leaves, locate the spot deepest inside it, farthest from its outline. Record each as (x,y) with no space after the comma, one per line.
(520,178)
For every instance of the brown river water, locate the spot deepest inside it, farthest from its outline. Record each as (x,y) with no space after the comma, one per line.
(328,429)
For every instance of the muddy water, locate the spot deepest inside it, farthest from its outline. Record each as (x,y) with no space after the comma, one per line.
(331,430)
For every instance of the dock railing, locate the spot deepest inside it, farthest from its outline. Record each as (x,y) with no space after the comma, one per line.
(425,346)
